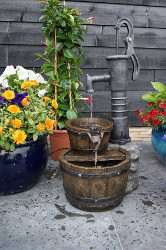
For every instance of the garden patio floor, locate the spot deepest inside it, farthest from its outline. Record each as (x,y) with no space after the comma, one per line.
(41,218)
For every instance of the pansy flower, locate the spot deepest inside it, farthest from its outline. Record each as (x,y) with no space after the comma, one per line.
(18,99)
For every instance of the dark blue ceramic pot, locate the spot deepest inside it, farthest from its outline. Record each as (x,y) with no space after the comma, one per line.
(159,144)
(21,169)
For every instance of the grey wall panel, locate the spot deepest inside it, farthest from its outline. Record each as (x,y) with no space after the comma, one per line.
(20,39)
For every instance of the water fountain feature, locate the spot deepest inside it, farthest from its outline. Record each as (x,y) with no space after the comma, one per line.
(95,177)
(118,79)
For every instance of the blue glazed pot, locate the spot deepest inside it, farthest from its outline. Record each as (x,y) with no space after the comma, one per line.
(159,144)
(21,169)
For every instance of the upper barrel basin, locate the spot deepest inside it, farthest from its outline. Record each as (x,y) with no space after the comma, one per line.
(88,134)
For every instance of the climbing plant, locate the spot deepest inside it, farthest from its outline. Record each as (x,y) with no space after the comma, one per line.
(63,28)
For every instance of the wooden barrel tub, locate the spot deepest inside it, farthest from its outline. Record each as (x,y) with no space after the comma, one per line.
(95,189)
(83,132)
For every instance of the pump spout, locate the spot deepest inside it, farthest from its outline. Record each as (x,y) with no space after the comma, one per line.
(90,80)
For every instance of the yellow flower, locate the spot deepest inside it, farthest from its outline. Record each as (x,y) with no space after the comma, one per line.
(6,122)
(34,83)
(25,102)
(26,85)
(49,124)
(9,95)
(28,97)
(47,99)
(19,136)
(41,127)
(1,130)
(54,104)
(17,123)
(11,130)
(13,109)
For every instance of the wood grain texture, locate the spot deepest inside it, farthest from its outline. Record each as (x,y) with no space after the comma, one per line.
(20,39)
(131,2)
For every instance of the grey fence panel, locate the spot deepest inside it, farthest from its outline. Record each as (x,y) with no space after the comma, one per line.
(20,39)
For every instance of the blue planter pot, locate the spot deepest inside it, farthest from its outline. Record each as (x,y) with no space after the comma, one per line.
(21,169)
(159,144)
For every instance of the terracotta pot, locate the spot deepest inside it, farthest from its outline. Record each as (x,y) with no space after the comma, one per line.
(59,139)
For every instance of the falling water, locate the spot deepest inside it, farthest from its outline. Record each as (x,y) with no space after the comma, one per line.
(96,148)
(91,106)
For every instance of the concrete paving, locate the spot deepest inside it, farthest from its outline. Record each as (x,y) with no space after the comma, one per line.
(41,218)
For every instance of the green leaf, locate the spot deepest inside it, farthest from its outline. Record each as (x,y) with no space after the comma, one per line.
(7,145)
(42,17)
(158,86)
(48,41)
(59,46)
(63,106)
(61,124)
(75,84)
(39,55)
(72,19)
(149,97)
(69,44)
(68,53)
(66,83)
(73,37)
(60,113)
(63,23)
(71,114)
(49,72)
(31,122)
(31,130)
(35,136)
(1,143)
(12,147)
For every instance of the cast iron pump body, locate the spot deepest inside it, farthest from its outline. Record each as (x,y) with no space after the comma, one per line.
(118,79)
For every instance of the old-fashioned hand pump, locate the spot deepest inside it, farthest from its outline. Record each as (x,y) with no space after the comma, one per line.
(118,78)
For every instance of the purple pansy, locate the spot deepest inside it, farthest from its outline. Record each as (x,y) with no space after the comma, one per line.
(18,98)
(2,100)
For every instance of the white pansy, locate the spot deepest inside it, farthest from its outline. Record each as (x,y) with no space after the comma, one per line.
(10,70)
(32,75)
(2,79)
(42,93)
(22,74)
(40,79)
(20,68)
(5,83)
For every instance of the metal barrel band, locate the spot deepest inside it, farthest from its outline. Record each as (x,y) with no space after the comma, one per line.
(94,176)
(84,133)
(90,150)
(95,208)
(92,200)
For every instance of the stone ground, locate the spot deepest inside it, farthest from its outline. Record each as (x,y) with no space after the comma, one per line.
(41,218)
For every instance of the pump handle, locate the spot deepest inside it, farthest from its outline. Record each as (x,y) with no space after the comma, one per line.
(129,45)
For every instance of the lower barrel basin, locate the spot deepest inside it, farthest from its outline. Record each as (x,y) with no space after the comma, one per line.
(92,188)
(83,132)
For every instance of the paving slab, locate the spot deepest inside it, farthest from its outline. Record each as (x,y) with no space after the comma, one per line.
(41,218)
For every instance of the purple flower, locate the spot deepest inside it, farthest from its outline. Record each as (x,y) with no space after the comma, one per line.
(2,100)
(164,137)
(18,99)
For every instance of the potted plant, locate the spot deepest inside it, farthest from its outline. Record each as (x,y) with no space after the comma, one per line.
(26,119)
(63,29)
(155,117)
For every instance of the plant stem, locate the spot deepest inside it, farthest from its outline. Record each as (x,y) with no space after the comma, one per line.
(70,92)
(55,68)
